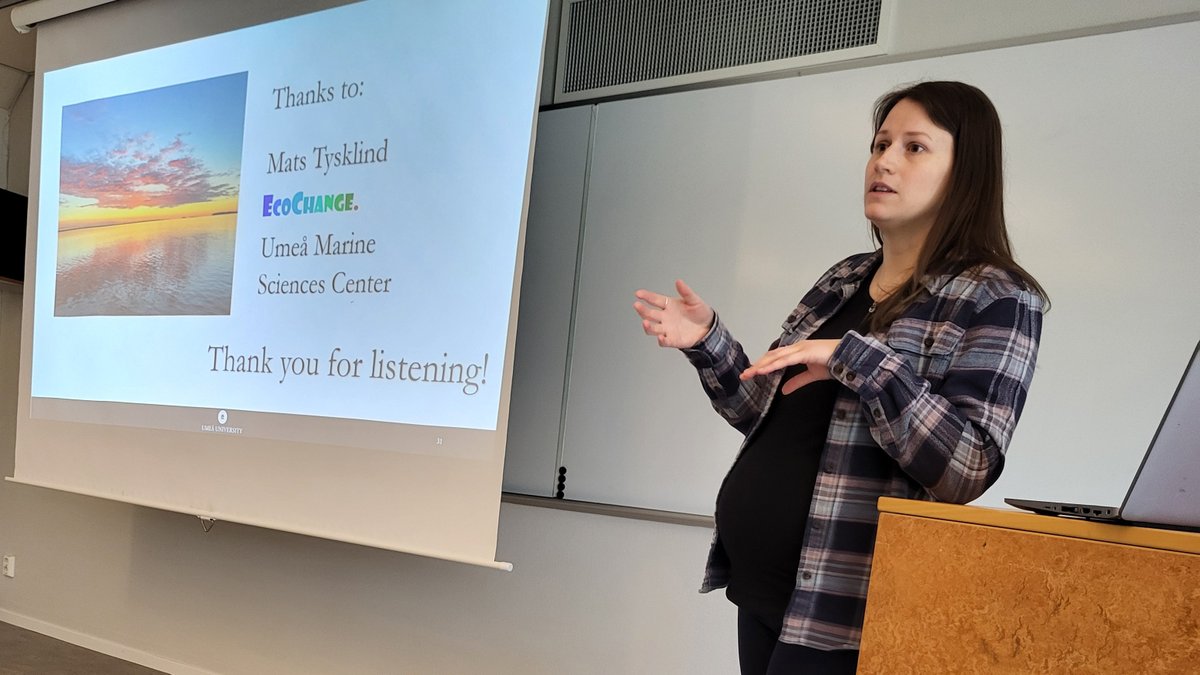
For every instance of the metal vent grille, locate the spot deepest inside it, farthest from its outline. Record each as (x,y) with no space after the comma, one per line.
(617,42)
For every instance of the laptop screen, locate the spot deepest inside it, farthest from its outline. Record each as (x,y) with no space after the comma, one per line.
(1167,487)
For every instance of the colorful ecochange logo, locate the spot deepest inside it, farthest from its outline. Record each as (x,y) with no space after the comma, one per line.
(301,204)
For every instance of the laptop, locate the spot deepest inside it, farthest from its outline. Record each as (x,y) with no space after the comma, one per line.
(1166,490)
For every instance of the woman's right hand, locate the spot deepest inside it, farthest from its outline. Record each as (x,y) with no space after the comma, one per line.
(678,322)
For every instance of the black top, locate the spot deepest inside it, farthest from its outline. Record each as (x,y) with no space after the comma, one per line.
(763,505)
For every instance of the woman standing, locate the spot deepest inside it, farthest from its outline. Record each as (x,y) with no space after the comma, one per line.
(901,373)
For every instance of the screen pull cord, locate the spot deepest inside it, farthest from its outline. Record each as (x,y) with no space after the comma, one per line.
(206,524)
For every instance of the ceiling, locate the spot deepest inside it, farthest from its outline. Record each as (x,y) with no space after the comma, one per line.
(16,57)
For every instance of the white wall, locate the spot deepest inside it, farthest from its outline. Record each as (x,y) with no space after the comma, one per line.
(20,125)
(590,594)
(16,105)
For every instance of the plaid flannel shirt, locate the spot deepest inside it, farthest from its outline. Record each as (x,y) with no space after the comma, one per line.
(926,411)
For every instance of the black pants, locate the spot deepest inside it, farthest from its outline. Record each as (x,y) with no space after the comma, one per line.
(761,653)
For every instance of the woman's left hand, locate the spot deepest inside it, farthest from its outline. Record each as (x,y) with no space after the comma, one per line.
(812,353)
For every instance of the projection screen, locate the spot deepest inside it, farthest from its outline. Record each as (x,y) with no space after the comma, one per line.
(273,262)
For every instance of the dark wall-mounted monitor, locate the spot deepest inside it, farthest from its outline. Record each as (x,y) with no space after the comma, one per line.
(13,209)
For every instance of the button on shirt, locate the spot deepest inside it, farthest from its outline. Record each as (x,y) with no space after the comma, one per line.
(926,412)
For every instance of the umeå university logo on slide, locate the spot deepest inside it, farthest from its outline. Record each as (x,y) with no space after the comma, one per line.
(222,418)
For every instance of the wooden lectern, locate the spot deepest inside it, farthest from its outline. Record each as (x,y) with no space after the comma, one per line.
(962,589)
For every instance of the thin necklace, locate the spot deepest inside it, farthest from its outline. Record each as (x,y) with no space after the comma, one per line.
(885,294)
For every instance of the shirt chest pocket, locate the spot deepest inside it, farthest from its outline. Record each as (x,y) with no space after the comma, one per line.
(929,348)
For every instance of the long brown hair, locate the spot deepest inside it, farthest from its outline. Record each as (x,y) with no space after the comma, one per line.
(969,228)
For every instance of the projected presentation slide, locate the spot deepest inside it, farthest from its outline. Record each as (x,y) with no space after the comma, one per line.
(315,217)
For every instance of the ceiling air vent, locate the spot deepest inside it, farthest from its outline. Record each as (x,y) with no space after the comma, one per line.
(616,47)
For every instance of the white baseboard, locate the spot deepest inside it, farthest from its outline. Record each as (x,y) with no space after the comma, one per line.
(101,645)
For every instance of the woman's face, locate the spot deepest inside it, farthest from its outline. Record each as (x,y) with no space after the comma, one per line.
(908,172)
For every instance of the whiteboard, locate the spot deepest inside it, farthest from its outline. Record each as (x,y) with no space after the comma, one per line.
(749,192)
(547,288)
